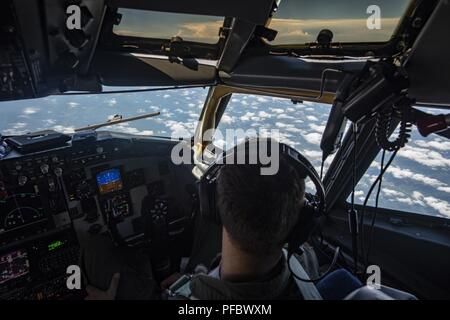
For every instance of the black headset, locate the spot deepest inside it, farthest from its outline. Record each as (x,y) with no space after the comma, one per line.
(313,209)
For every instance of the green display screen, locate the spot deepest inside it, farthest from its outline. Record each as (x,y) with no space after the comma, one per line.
(55,245)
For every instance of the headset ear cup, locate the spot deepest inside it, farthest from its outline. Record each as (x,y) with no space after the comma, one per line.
(203,199)
(207,195)
(306,224)
(213,204)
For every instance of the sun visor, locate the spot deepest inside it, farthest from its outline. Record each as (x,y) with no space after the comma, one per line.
(125,69)
(255,11)
(289,73)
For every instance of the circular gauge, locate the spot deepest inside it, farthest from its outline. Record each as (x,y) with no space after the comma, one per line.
(20,209)
(21,216)
(159,210)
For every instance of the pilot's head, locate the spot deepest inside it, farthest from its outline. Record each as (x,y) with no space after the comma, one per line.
(258,211)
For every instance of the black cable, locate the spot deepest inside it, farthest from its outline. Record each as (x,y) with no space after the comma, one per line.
(352,213)
(321,169)
(355,157)
(375,183)
(383,124)
(374,217)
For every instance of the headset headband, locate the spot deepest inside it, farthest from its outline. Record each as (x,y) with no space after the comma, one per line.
(306,169)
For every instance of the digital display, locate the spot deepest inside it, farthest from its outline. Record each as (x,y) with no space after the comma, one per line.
(13,265)
(55,245)
(109,181)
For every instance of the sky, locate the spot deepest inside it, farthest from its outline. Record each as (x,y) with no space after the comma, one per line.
(300,21)
(297,21)
(418,181)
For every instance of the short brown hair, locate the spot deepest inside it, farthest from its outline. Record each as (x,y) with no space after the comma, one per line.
(258,211)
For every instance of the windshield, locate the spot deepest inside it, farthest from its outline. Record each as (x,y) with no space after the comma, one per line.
(300,21)
(418,179)
(180,110)
(299,125)
(165,25)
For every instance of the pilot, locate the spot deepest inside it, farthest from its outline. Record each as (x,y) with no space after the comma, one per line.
(257,213)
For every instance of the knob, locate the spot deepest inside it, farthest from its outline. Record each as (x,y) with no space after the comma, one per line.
(58,172)
(51,185)
(3,192)
(44,168)
(22,180)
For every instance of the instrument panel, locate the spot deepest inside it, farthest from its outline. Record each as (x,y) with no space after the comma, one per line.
(13,265)
(112,185)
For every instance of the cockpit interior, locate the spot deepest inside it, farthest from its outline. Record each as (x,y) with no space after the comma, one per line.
(376,86)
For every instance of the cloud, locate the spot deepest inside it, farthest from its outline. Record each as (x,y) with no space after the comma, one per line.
(283,125)
(425,157)
(64,129)
(359,193)
(247,116)
(16,129)
(316,128)
(201,31)
(285,117)
(227,119)
(443,207)
(112,102)
(313,154)
(205,31)
(295,130)
(263,114)
(180,129)
(49,122)
(313,138)
(399,173)
(392,193)
(73,104)
(262,99)
(407,201)
(30,110)
(439,145)
(444,189)
(277,110)
(310,185)
(125,128)
(312,118)
(293,31)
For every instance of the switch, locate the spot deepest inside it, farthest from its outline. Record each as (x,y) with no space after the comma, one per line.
(44,168)
(58,172)
(22,180)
